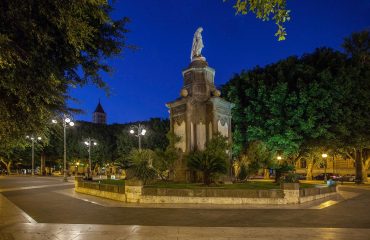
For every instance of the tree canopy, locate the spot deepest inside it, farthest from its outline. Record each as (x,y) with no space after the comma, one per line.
(45,48)
(321,99)
(266,10)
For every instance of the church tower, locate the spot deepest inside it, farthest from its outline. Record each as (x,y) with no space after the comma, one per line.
(99,116)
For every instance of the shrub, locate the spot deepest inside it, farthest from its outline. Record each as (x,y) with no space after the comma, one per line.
(142,165)
(243,174)
(208,164)
(290,178)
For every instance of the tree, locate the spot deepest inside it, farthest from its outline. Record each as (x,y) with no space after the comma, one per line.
(243,174)
(46,47)
(321,99)
(142,164)
(258,156)
(288,103)
(354,137)
(264,10)
(164,160)
(154,139)
(212,160)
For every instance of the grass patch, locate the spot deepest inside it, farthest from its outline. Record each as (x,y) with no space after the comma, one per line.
(119,182)
(253,185)
(247,185)
(308,185)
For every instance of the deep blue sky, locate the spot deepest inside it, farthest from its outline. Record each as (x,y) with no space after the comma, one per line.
(144,80)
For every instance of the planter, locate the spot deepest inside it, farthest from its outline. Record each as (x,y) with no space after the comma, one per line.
(290,186)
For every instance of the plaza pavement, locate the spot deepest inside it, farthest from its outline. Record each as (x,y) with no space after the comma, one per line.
(190,222)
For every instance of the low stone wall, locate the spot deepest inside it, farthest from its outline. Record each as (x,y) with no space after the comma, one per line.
(310,194)
(134,192)
(113,192)
(214,192)
(212,196)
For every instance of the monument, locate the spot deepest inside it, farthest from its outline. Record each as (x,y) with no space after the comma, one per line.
(199,112)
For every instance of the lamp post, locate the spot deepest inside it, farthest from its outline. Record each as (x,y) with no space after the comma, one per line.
(66,122)
(90,142)
(324,156)
(33,140)
(76,171)
(140,131)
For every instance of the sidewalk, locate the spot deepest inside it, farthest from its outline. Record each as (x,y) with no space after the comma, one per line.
(16,224)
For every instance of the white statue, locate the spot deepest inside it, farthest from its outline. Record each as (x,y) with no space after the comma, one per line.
(197,47)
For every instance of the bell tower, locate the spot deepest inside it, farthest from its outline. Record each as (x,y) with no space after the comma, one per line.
(99,116)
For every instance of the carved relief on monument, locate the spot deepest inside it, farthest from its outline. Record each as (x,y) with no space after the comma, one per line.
(178,110)
(180,130)
(191,136)
(187,78)
(179,119)
(201,136)
(210,132)
(223,128)
(200,92)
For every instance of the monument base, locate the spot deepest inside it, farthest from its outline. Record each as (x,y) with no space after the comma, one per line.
(200,58)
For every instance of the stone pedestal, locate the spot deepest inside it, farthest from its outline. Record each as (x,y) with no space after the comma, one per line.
(198,114)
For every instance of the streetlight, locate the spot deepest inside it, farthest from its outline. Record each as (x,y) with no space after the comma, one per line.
(140,131)
(324,156)
(33,140)
(90,142)
(279,158)
(66,122)
(76,171)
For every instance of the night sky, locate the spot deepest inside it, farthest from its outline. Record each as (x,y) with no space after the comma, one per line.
(144,80)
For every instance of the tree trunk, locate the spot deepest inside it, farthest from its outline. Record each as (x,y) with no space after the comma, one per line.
(364,172)
(42,165)
(7,164)
(266,173)
(309,170)
(359,167)
(206,179)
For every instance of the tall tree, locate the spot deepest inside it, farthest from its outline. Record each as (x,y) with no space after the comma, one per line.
(319,100)
(46,47)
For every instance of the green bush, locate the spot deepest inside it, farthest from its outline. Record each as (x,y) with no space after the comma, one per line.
(208,164)
(243,174)
(290,178)
(142,165)
(213,160)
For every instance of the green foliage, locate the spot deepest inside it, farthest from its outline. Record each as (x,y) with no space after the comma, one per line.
(321,99)
(142,164)
(114,144)
(281,169)
(212,160)
(154,139)
(290,178)
(243,174)
(289,103)
(164,162)
(46,47)
(266,10)
(111,182)
(258,156)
